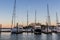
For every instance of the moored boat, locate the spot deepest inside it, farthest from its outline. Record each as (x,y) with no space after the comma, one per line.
(17,30)
(37,30)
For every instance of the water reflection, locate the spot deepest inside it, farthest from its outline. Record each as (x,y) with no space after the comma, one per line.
(54,36)
(23,36)
(16,37)
(0,36)
(37,37)
(4,36)
(29,36)
(43,37)
(58,36)
(49,37)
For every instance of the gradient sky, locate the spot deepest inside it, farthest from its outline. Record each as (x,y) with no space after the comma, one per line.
(6,10)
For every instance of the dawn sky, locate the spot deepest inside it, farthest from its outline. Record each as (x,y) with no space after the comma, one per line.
(6,10)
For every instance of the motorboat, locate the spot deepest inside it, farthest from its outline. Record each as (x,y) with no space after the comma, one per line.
(37,30)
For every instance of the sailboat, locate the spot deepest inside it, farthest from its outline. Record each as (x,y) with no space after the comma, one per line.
(48,23)
(47,30)
(54,30)
(15,29)
(37,29)
(58,24)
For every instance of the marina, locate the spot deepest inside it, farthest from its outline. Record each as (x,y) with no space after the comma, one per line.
(29,20)
(30,30)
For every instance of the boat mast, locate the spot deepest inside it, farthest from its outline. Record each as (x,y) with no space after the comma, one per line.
(27,18)
(12,23)
(27,21)
(56,19)
(14,14)
(49,22)
(17,27)
(35,17)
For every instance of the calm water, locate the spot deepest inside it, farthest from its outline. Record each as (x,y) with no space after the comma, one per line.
(29,36)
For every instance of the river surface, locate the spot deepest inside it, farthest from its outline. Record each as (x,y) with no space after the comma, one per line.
(29,36)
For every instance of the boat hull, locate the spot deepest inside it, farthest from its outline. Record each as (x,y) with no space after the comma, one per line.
(37,31)
(16,32)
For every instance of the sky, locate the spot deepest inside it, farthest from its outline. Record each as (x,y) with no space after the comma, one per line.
(6,11)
